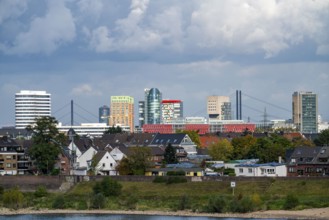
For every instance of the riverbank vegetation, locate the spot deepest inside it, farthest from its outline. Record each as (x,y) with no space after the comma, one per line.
(174,195)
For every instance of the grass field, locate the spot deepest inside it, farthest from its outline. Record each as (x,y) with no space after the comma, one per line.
(271,193)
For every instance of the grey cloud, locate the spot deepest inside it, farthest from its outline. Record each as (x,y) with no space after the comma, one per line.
(45,34)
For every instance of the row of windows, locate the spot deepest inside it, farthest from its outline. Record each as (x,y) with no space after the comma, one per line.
(269,171)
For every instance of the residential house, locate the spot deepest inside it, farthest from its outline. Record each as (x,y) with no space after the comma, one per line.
(103,164)
(188,168)
(164,171)
(308,161)
(13,159)
(176,140)
(256,170)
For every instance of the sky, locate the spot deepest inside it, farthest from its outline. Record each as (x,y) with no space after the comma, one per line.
(90,50)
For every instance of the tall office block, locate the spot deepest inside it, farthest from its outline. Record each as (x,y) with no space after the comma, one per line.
(104,114)
(305,111)
(29,105)
(153,98)
(219,107)
(122,111)
(171,110)
(141,113)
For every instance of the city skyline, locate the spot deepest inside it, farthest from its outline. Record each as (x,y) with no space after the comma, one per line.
(88,51)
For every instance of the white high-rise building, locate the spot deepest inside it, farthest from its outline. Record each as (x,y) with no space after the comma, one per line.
(29,105)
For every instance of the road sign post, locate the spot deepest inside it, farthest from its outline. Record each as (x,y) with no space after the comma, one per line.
(233,186)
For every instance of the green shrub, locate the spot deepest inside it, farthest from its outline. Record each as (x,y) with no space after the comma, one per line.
(59,202)
(160,179)
(98,201)
(184,203)
(229,172)
(108,187)
(176,179)
(290,202)
(41,192)
(13,198)
(1,190)
(176,173)
(244,205)
(216,204)
(129,198)
(82,205)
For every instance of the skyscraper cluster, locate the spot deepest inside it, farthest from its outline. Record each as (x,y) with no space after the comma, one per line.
(154,110)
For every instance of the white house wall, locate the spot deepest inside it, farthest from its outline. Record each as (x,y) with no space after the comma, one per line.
(107,163)
(72,147)
(270,171)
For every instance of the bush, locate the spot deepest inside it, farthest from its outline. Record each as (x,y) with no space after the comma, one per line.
(176,179)
(98,201)
(41,192)
(290,202)
(129,199)
(1,190)
(160,179)
(184,203)
(108,187)
(216,204)
(13,198)
(82,205)
(244,205)
(59,202)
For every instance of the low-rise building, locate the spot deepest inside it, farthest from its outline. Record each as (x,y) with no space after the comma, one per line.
(266,169)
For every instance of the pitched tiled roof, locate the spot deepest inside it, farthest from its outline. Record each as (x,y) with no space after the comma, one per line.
(142,139)
(165,139)
(207,140)
(98,156)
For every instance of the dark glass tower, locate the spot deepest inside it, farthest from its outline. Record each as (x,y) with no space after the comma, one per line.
(104,114)
(153,98)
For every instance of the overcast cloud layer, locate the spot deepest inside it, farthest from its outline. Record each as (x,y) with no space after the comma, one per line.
(88,50)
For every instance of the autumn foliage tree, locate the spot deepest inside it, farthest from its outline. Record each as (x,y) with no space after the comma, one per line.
(221,150)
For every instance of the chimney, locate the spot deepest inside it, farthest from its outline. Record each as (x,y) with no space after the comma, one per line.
(280,159)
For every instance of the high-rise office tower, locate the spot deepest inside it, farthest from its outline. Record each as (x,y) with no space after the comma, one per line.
(305,111)
(122,111)
(141,113)
(104,114)
(219,107)
(153,98)
(171,110)
(29,105)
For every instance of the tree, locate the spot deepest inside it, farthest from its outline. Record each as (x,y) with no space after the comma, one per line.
(221,150)
(140,160)
(124,167)
(242,145)
(113,130)
(170,155)
(269,149)
(93,166)
(136,163)
(46,143)
(323,139)
(301,142)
